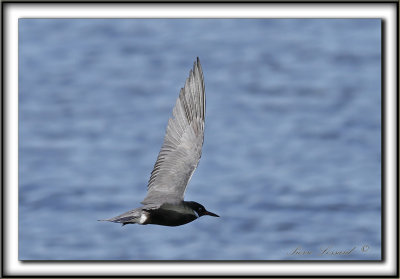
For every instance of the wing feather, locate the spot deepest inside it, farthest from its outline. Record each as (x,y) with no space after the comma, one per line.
(183,141)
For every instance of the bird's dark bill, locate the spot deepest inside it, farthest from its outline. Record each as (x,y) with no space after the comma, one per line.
(211,214)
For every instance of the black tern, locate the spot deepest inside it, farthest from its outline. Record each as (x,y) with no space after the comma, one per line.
(176,162)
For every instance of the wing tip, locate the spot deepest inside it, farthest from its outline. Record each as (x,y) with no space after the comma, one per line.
(197,65)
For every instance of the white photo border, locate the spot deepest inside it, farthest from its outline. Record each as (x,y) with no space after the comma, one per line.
(387,11)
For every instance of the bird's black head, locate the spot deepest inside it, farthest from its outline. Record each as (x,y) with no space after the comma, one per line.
(200,209)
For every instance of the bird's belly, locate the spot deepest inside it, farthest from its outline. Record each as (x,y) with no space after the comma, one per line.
(169,218)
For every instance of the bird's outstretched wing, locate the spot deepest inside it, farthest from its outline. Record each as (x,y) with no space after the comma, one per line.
(181,150)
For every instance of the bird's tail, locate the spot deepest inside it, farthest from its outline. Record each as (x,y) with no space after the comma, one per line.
(130,217)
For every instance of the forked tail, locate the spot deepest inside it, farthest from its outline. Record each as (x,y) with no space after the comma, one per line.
(130,217)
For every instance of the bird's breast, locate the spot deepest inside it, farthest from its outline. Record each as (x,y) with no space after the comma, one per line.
(171,215)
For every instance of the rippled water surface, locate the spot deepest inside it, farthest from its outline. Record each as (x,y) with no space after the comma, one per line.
(292,153)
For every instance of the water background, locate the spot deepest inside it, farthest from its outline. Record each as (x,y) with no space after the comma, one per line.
(292,151)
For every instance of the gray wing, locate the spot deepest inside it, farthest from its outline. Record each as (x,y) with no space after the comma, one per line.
(181,150)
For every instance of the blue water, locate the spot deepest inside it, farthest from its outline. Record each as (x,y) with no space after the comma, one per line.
(292,151)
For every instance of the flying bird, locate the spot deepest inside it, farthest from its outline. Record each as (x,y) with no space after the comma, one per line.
(176,162)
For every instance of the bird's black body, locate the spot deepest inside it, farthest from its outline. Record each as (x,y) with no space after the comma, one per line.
(176,162)
(166,215)
(169,218)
